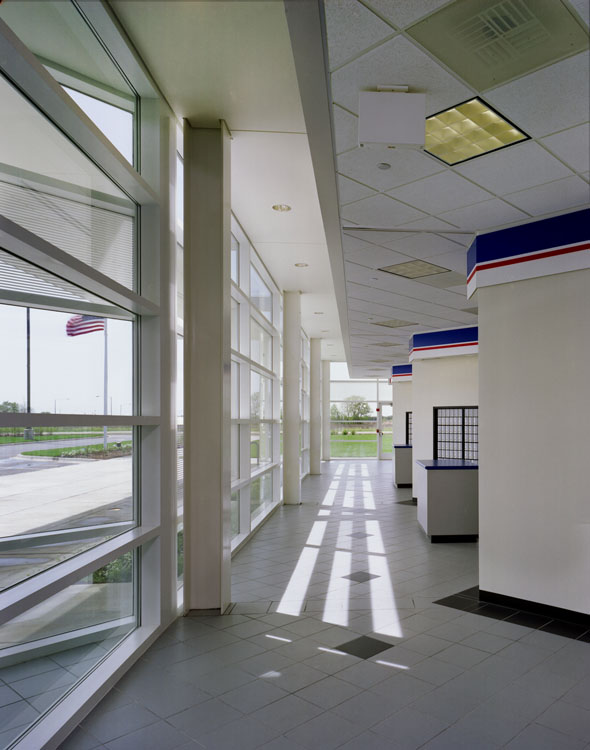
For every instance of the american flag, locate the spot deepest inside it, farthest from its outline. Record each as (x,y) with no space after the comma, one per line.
(80,324)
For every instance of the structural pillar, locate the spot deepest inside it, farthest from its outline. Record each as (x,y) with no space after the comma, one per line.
(315,412)
(207,367)
(291,397)
(326,416)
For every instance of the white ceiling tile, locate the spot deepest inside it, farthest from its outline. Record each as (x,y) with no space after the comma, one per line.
(351,28)
(376,237)
(375,257)
(572,146)
(404,12)
(554,196)
(398,61)
(430,224)
(460,239)
(407,164)
(381,211)
(485,215)
(551,99)
(345,129)
(514,168)
(423,246)
(441,192)
(456,260)
(349,190)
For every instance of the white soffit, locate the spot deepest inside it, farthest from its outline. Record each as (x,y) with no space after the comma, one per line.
(219,59)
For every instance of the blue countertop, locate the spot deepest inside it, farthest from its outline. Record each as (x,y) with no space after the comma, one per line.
(402,446)
(447,463)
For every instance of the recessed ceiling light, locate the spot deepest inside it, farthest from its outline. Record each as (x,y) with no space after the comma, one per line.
(394,323)
(414,269)
(282,207)
(383,165)
(301,265)
(469,130)
(370,318)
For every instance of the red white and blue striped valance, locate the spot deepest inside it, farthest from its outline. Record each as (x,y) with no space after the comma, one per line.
(447,343)
(540,248)
(401,373)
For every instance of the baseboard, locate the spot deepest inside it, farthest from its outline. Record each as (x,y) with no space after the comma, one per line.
(546,610)
(445,538)
(403,484)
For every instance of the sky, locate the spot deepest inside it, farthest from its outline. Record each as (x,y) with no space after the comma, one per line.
(67,373)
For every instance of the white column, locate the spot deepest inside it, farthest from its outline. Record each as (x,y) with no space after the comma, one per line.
(291,396)
(207,367)
(326,420)
(315,412)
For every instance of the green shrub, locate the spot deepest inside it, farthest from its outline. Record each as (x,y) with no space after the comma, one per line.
(345,432)
(117,571)
(353,432)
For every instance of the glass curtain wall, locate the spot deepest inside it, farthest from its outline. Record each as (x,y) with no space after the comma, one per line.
(179,204)
(83,457)
(255,388)
(353,413)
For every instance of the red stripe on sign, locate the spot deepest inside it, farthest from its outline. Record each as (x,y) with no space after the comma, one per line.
(526,258)
(444,346)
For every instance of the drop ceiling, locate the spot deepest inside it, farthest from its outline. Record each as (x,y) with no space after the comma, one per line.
(420,208)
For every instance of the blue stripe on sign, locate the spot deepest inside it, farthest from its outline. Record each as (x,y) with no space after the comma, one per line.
(443,338)
(401,369)
(557,231)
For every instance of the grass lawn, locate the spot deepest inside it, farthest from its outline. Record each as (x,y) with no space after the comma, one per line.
(358,446)
(86,451)
(4,439)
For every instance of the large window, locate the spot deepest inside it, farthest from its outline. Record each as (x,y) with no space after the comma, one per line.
(255,388)
(456,432)
(304,411)
(88,341)
(353,413)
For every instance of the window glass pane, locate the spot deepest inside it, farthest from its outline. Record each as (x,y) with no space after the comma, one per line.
(67,359)
(260,396)
(260,494)
(61,494)
(235,260)
(362,390)
(235,324)
(180,423)
(179,282)
(260,294)
(179,200)
(235,513)
(51,188)
(235,452)
(339,371)
(260,444)
(114,122)
(260,345)
(235,390)
(87,619)
(70,51)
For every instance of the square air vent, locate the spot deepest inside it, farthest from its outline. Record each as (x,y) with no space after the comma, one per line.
(394,323)
(414,269)
(489,42)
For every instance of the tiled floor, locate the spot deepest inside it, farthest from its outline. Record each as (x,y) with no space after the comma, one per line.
(270,675)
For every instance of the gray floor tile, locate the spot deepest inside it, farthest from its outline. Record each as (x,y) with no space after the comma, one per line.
(287,713)
(244,733)
(567,718)
(113,724)
(254,695)
(326,731)
(204,718)
(79,739)
(159,736)
(409,729)
(537,737)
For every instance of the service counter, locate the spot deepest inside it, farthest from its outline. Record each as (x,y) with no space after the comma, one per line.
(447,493)
(402,465)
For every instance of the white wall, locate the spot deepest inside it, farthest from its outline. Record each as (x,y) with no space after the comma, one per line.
(534,488)
(402,402)
(448,381)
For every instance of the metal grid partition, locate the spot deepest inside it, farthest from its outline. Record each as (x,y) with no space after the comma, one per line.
(456,432)
(408,428)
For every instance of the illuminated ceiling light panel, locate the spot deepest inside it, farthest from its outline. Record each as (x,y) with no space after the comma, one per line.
(414,269)
(394,323)
(468,130)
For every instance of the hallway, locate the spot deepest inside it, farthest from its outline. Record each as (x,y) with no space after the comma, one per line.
(348,571)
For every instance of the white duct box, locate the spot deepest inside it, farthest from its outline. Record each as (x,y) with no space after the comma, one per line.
(392,118)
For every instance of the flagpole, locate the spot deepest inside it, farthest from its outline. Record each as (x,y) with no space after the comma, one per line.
(106,385)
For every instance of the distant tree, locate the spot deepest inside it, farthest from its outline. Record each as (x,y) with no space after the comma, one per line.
(10,407)
(335,413)
(356,408)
